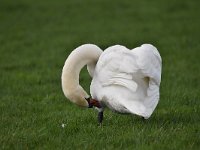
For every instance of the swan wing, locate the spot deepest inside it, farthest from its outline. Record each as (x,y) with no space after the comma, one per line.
(113,81)
(149,64)
(119,80)
(149,61)
(116,66)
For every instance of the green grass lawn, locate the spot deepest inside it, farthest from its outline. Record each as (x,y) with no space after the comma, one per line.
(36,38)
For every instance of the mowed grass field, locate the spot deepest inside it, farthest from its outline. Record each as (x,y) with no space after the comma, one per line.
(37,36)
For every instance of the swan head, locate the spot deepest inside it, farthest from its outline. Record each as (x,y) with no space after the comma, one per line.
(81,98)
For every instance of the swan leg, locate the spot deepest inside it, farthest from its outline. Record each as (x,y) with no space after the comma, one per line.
(100,118)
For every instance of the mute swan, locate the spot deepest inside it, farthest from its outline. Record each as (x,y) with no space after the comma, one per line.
(126,81)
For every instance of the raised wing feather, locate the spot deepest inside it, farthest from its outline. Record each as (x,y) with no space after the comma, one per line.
(149,63)
(116,66)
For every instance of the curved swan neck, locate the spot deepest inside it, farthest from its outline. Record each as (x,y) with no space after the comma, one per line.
(81,56)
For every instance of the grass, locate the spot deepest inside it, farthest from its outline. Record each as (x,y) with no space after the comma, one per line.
(36,38)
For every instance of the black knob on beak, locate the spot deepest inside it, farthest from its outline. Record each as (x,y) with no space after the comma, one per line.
(89,104)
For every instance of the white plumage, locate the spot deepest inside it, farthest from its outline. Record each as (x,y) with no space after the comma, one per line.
(126,81)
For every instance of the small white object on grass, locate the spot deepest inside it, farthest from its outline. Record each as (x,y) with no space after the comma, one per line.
(63,125)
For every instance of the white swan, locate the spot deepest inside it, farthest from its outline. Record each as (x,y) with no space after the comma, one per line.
(126,81)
